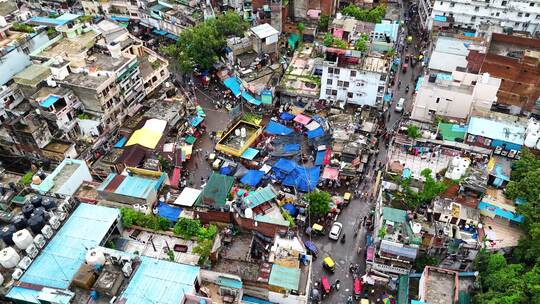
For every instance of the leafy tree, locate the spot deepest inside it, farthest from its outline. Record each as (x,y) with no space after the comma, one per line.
(430,190)
(328,39)
(425,260)
(373,15)
(324,20)
(319,202)
(362,43)
(203,249)
(187,228)
(301,27)
(391,53)
(207,233)
(26,179)
(170,255)
(526,163)
(412,131)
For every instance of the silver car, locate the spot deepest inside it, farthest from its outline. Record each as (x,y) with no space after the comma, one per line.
(335,231)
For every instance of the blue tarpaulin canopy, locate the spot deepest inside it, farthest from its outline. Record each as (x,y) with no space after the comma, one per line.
(291,148)
(233,84)
(252,178)
(277,129)
(250,98)
(196,120)
(302,178)
(286,116)
(225,170)
(172,36)
(120,19)
(168,212)
(49,101)
(291,209)
(121,142)
(315,133)
(159,32)
(320,158)
(250,153)
(285,165)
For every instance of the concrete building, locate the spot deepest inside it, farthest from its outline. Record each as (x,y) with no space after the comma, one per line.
(121,10)
(349,78)
(438,286)
(454,96)
(264,39)
(384,36)
(505,138)
(172,18)
(515,15)
(302,9)
(65,179)
(513,59)
(139,186)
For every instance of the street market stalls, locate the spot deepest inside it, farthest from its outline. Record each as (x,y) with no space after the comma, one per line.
(238,139)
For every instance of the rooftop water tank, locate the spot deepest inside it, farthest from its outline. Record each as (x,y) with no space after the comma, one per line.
(17,273)
(40,211)
(36,223)
(95,257)
(48,203)
(7,234)
(9,258)
(36,200)
(22,239)
(27,210)
(36,180)
(19,221)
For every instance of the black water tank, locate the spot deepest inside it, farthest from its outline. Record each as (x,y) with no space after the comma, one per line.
(7,234)
(27,210)
(48,203)
(36,200)
(19,221)
(40,212)
(36,223)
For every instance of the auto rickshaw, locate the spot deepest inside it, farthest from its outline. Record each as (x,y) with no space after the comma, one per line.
(364,301)
(311,249)
(328,264)
(346,198)
(326,288)
(317,229)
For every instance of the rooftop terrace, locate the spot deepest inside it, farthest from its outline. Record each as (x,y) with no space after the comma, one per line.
(67,48)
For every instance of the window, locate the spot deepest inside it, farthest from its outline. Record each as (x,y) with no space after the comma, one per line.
(452,4)
(473,18)
(438,99)
(329,81)
(340,83)
(537,16)
(334,92)
(328,92)
(336,71)
(517,24)
(497,14)
(476,8)
(330,70)
(504,3)
(353,73)
(350,95)
(527,14)
(520,14)
(346,84)
(531,4)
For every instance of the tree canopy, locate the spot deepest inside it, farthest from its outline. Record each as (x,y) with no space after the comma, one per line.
(374,15)
(319,202)
(201,45)
(362,43)
(324,20)
(431,189)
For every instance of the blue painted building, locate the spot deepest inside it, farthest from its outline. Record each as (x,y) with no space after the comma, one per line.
(495,204)
(504,137)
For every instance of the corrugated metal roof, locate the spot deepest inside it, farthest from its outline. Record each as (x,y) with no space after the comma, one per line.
(284,277)
(394,215)
(501,130)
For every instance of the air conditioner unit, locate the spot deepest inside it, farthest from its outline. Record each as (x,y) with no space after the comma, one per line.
(32,251)
(47,231)
(24,263)
(61,216)
(39,241)
(17,274)
(127,269)
(54,222)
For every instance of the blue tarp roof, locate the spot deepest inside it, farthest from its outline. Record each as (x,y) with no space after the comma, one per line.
(250,153)
(302,178)
(120,19)
(159,281)
(291,148)
(439,18)
(284,165)
(253,300)
(121,142)
(507,214)
(49,101)
(159,32)
(233,84)
(315,133)
(228,282)
(196,120)
(250,98)
(320,158)
(287,116)
(252,177)
(291,209)
(168,212)
(61,20)
(60,260)
(277,129)
(225,170)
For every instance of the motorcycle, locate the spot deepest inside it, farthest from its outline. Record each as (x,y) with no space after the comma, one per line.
(407,89)
(343,239)
(337,284)
(350,300)
(399,84)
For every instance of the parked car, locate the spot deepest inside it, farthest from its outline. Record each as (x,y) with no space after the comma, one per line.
(335,231)
(399,105)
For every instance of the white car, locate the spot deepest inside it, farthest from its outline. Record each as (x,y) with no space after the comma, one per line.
(335,231)
(399,105)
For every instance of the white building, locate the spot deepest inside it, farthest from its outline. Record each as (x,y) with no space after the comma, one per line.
(454,95)
(517,15)
(360,84)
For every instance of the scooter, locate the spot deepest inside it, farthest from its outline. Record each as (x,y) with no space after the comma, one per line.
(343,239)
(407,89)
(337,284)
(399,84)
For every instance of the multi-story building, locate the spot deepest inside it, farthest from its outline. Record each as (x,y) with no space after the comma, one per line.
(454,96)
(513,59)
(508,14)
(349,78)
(170,18)
(122,10)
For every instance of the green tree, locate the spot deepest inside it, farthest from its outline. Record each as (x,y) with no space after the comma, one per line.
(362,43)
(324,21)
(425,260)
(301,27)
(319,202)
(207,233)
(412,131)
(203,249)
(374,15)
(187,228)
(430,190)
(391,53)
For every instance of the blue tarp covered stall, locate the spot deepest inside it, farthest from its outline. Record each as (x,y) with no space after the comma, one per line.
(286,116)
(120,19)
(291,148)
(250,153)
(319,159)
(121,142)
(196,120)
(250,98)
(252,178)
(276,128)
(303,179)
(233,84)
(291,209)
(168,212)
(226,170)
(284,165)
(315,133)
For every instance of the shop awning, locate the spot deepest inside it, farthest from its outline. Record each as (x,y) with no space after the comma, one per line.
(303,119)
(121,142)
(330,173)
(286,116)
(315,133)
(276,128)
(266,97)
(252,178)
(250,98)
(168,212)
